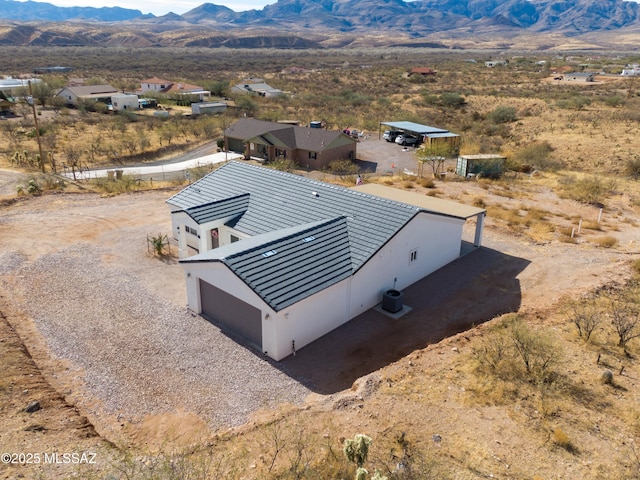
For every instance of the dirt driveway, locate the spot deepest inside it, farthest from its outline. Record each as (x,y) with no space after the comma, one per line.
(106,321)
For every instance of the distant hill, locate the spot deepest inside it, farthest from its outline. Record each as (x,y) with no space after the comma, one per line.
(35,11)
(301,23)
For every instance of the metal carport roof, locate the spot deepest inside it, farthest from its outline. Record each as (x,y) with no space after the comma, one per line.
(414,127)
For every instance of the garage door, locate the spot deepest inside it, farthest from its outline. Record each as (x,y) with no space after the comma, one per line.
(231,312)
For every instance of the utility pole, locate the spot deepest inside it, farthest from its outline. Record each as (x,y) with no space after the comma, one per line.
(35,121)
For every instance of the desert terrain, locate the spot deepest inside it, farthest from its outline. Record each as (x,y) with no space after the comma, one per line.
(94,325)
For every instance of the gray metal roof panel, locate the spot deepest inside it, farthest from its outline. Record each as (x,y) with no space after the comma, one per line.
(227,207)
(286,266)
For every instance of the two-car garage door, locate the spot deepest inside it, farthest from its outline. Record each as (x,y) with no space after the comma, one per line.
(231,312)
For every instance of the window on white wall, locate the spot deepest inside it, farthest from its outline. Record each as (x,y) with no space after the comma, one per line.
(414,256)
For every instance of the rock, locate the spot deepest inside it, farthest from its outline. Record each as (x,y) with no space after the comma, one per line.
(436,438)
(33,407)
(607,377)
(35,428)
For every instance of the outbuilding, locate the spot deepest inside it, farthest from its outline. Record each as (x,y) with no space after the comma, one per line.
(485,165)
(281,259)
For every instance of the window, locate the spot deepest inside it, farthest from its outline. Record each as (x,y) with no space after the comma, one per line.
(234,239)
(313,155)
(414,255)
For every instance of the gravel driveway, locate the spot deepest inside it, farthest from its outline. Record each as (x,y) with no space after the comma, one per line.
(116,315)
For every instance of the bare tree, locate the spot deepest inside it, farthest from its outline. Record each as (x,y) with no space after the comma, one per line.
(73,155)
(625,319)
(434,155)
(586,317)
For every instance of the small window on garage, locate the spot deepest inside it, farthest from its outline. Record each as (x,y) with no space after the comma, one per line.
(413,256)
(313,155)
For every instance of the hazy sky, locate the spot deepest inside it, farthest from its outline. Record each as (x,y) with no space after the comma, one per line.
(160,7)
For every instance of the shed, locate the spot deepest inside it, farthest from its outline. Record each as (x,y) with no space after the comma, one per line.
(125,102)
(208,108)
(282,259)
(486,165)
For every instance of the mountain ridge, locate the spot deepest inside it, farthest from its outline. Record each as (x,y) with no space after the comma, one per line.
(295,22)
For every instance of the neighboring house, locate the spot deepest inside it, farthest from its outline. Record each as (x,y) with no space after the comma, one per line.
(256,86)
(496,63)
(178,89)
(424,71)
(12,86)
(97,93)
(207,108)
(631,71)
(284,259)
(6,107)
(125,101)
(309,147)
(579,77)
(485,165)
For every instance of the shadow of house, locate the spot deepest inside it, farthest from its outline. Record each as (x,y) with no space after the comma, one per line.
(470,291)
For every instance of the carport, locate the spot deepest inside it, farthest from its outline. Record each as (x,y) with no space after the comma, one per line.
(415,129)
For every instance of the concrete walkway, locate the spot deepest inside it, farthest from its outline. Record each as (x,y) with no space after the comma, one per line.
(156,170)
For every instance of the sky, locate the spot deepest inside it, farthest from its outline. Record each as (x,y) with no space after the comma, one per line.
(162,7)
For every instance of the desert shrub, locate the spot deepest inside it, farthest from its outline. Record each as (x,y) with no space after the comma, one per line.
(589,189)
(562,440)
(283,164)
(451,99)
(343,168)
(635,265)
(614,100)
(426,182)
(502,114)
(607,241)
(516,352)
(538,155)
(574,103)
(479,202)
(633,167)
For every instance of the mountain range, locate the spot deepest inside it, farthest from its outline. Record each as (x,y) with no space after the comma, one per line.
(297,23)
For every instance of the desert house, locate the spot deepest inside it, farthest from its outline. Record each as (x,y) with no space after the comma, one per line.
(256,86)
(314,148)
(96,93)
(580,77)
(424,71)
(178,90)
(281,259)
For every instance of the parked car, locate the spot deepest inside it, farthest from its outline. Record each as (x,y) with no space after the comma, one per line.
(406,140)
(391,135)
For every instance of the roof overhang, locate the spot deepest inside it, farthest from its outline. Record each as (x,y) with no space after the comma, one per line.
(435,205)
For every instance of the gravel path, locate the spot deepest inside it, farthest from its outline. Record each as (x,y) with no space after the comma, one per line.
(135,351)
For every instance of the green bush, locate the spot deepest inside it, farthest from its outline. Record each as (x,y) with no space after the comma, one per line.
(502,114)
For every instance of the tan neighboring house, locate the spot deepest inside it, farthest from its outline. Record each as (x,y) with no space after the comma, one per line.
(580,77)
(97,93)
(168,87)
(308,147)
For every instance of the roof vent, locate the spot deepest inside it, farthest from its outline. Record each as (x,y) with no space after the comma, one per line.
(315,194)
(308,239)
(269,253)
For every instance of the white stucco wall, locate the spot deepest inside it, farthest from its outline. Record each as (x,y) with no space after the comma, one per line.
(435,239)
(306,321)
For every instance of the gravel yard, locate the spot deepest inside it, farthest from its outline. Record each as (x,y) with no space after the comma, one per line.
(116,316)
